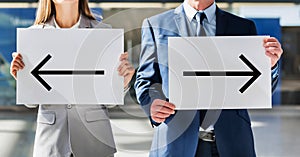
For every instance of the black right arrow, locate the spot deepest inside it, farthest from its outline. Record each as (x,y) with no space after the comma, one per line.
(254,73)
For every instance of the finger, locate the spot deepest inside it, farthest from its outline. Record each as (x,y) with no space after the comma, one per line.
(128,73)
(124,69)
(19,62)
(14,74)
(124,56)
(161,115)
(19,59)
(125,74)
(13,71)
(272,44)
(17,54)
(14,54)
(16,66)
(165,103)
(163,109)
(170,105)
(122,64)
(274,59)
(158,120)
(272,56)
(128,76)
(270,39)
(274,51)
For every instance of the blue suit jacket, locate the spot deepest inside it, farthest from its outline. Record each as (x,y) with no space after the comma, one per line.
(178,135)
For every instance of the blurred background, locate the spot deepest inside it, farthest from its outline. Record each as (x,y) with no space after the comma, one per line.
(275,130)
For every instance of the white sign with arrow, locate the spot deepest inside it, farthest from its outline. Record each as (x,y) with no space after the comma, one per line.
(70,66)
(219,73)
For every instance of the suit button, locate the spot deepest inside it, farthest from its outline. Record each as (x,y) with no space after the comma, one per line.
(69,106)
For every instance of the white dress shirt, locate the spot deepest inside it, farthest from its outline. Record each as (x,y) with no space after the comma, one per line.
(209,23)
(76,25)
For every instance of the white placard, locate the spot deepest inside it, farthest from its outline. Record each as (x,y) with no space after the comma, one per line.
(219,73)
(72,66)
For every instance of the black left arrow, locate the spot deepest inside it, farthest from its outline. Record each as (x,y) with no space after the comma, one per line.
(36,72)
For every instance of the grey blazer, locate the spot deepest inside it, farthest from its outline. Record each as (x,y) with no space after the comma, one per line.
(83,130)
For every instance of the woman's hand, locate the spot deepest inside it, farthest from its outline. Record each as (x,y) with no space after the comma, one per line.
(16,64)
(126,69)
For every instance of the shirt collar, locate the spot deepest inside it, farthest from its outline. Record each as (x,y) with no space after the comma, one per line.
(76,25)
(190,12)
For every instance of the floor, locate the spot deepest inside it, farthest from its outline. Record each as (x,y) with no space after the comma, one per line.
(276,132)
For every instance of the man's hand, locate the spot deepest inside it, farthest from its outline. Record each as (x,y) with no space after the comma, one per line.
(160,110)
(273,49)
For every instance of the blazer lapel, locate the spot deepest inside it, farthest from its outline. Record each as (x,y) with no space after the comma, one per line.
(221,23)
(84,22)
(181,23)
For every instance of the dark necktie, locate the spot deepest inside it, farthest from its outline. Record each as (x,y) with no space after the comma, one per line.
(207,117)
(200,16)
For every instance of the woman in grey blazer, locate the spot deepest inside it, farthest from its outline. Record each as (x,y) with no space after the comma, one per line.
(65,130)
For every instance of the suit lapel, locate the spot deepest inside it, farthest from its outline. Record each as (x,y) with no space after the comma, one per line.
(181,23)
(84,22)
(221,23)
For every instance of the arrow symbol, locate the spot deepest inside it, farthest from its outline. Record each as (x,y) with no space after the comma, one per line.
(36,72)
(254,73)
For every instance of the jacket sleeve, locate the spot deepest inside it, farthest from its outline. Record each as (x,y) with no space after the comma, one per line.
(275,76)
(148,79)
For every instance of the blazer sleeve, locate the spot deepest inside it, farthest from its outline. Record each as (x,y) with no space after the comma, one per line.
(148,79)
(275,76)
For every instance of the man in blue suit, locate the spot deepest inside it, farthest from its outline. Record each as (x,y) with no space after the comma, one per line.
(180,133)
